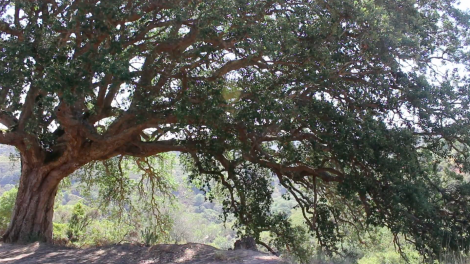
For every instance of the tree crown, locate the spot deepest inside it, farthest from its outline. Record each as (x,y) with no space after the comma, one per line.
(340,101)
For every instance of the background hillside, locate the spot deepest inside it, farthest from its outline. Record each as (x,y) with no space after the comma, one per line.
(9,170)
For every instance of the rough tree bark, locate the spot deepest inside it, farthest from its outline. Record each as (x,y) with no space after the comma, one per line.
(34,207)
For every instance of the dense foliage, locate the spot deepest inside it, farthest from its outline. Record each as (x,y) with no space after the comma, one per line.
(345,103)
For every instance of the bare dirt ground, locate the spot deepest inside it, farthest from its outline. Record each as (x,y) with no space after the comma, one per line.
(130,253)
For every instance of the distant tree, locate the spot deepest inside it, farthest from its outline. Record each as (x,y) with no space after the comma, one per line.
(345,102)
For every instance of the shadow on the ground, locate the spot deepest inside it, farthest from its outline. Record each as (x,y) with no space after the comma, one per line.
(130,253)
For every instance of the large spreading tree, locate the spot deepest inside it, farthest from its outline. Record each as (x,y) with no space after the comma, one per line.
(350,105)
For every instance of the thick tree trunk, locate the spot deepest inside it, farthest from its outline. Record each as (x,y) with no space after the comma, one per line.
(32,216)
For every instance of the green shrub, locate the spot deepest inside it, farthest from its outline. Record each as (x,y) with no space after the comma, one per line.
(59,234)
(223,242)
(104,232)
(7,203)
(60,230)
(77,223)
(149,237)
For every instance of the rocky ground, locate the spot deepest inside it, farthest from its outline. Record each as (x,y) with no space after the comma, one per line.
(130,253)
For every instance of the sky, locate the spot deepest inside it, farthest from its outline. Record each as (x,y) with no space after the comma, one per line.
(465,4)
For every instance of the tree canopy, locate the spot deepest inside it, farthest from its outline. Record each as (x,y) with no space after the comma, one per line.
(350,105)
